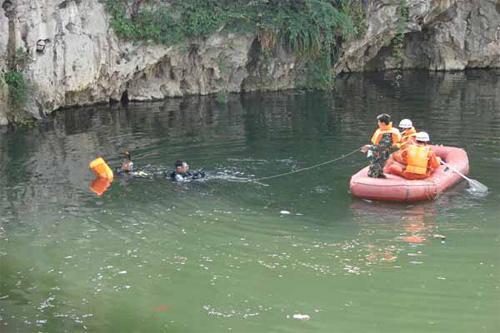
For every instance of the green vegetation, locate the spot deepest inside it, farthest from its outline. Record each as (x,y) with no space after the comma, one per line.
(221,98)
(18,94)
(19,88)
(220,63)
(313,29)
(399,40)
(354,10)
(168,23)
(320,74)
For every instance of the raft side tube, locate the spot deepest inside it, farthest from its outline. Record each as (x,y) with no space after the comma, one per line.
(395,188)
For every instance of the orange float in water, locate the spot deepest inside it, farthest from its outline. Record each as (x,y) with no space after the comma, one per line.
(101,169)
(100,185)
(104,176)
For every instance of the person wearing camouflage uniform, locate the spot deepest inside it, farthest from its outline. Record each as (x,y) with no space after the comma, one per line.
(379,155)
(384,138)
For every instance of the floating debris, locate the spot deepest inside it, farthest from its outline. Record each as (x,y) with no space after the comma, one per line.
(301,317)
(162,307)
(439,236)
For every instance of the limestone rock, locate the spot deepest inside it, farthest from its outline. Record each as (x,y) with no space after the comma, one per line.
(272,73)
(76,59)
(438,35)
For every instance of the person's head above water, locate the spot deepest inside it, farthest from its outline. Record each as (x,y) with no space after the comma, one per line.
(181,166)
(384,118)
(127,165)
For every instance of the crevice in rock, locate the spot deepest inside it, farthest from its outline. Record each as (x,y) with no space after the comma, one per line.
(125,99)
(185,86)
(253,55)
(63,5)
(10,13)
(7,6)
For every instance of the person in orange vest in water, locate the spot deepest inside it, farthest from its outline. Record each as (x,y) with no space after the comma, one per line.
(408,133)
(127,164)
(420,160)
(384,138)
(128,168)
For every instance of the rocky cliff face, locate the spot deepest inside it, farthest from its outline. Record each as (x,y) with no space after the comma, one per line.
(76,59)
(438,35)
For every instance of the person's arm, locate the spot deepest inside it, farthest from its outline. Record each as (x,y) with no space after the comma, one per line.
(434,161)
(374,138)
(365,148)
(404,155)
(397,138)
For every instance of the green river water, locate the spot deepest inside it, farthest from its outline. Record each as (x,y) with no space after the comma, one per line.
(219,255)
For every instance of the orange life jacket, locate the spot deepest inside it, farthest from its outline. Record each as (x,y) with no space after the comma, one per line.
(408,137)
(101,169)
(418,159)
(383,128)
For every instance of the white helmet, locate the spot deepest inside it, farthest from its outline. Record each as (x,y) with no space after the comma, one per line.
(422,136)
(405,123)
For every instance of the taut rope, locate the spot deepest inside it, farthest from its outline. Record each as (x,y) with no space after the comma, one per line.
(309,168)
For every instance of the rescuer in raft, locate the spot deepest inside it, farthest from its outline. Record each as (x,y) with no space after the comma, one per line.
(181,172)
(128,168)
(408,133)
(384,138)
(419,159)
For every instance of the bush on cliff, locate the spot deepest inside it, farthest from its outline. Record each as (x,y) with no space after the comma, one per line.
(18,93)
(313,29)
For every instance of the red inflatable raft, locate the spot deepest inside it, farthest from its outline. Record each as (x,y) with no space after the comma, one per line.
(395,188)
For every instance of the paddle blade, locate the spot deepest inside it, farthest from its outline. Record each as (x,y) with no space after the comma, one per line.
(477,186)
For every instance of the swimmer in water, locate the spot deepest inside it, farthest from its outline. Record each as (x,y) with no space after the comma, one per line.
(182,172)
(128,168)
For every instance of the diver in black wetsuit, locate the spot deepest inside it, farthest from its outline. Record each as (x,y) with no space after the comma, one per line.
(181,172)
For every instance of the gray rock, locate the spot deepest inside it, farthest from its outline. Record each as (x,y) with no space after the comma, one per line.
(76,59)
(438,35)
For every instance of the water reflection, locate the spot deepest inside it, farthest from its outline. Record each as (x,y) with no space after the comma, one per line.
(100,185)
(391,229)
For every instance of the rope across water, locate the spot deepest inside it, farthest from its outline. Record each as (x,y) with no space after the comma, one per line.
(309,168)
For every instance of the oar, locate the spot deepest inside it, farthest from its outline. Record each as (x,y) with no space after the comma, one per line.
(474,184)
